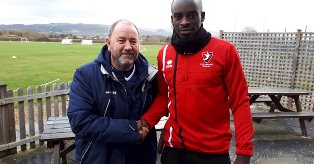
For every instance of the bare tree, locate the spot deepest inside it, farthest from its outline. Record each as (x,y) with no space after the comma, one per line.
(249,29)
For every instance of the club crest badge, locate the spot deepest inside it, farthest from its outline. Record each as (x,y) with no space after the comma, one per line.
(207,56)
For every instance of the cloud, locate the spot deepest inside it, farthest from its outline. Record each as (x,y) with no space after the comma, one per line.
(227,15)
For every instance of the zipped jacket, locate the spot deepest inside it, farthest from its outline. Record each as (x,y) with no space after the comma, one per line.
(199,91)
(105,127)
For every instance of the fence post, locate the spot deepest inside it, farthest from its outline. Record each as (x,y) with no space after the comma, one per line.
(295,58)
(40,113)
(63,100)
(48,102)
(4,122)
(56,101)
(21,118)
(31,117)
(295,63)
(11,121)
(221,34)
(2,116)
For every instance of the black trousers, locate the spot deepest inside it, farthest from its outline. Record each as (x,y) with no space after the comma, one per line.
(180,156)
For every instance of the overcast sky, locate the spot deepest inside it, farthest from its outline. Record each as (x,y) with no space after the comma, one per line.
(227,15)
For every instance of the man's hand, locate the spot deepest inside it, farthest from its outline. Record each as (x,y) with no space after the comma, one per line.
(142,128)
(145,124)
(242,159)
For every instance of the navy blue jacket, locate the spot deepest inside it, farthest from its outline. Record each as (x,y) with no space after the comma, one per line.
(100,116)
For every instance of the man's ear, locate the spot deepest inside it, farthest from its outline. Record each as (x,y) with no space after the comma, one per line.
(172,20)
(203,16)
(107,41)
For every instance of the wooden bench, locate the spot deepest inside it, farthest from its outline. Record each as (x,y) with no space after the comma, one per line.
(308,116)
(272,115)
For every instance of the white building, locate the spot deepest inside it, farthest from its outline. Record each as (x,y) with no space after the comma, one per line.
(67,41)
(87,42)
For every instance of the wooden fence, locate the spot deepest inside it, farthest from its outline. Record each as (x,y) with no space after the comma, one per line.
(22,118)
(278,60)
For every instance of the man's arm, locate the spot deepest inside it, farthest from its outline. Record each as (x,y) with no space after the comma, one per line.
(237,89)
(159,107)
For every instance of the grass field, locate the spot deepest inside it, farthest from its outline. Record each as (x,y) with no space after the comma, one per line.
(38,63)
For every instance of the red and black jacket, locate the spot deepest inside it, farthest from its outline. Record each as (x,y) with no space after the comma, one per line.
(199,91)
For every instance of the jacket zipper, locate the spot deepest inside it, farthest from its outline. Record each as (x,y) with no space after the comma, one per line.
(175,99)
(145,95)
(175,86)
(107,107)
(186,68)
(144,102)
(90,143)
(126,94)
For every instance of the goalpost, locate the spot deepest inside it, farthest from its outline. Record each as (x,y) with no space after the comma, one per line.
(24,39)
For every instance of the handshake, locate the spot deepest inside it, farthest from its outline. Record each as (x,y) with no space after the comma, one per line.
(143,129)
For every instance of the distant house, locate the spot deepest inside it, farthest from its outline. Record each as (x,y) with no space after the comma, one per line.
(67,41)
(87,42)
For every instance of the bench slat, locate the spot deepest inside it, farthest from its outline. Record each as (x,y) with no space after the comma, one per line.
(263,99)
(270,115)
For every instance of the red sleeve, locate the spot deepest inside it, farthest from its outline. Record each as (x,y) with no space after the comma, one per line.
(237,89)
(159,107)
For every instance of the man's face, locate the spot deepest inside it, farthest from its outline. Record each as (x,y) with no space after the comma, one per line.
(186,18)
(124,46)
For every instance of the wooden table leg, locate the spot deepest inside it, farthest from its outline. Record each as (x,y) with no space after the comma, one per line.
(299,109)
(56,156)
(253,98)
(63,157)
(271,105)
(160,145)
(276,101)
(303,127)
(65,151)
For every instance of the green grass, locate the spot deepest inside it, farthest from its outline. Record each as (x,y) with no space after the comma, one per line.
(39,63)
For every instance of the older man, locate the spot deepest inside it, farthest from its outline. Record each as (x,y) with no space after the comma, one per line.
(107,98)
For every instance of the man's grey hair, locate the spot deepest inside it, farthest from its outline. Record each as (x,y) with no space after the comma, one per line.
(111,29)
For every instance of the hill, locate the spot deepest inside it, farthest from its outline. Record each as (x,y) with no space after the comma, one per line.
(78,29)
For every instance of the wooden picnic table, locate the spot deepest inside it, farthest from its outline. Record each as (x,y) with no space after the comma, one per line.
(275,95)
(272,98)
(56,132)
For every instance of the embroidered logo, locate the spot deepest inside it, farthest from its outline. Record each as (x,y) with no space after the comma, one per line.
(207,56)
(169,64)
(111,92)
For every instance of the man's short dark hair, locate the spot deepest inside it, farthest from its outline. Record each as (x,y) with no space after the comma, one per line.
(197,2)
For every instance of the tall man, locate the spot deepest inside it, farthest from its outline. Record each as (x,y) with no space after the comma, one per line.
(200,82)
(107,96)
